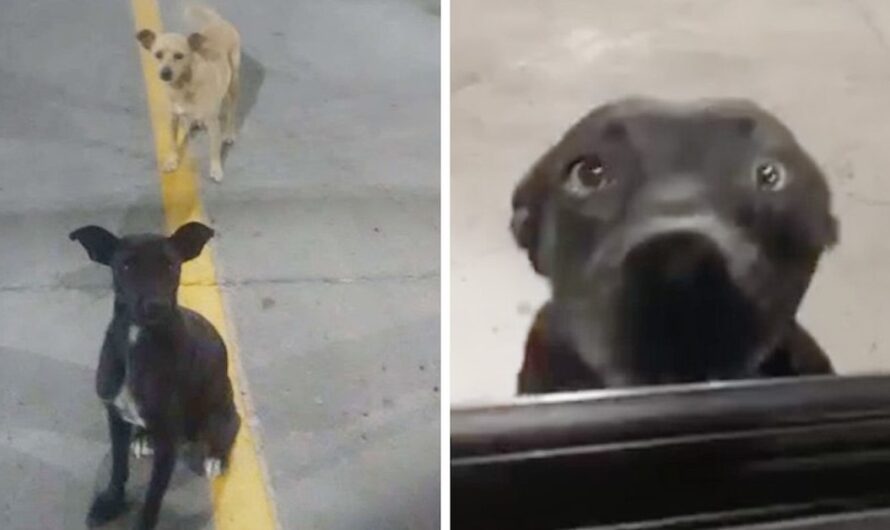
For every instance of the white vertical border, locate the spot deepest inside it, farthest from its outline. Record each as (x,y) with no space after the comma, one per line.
(445,267)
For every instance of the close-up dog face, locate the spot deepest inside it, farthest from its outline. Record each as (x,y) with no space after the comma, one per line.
(648,214)
(172,52)
(145,267)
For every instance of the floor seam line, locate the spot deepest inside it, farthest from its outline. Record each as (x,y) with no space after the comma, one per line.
(317,280)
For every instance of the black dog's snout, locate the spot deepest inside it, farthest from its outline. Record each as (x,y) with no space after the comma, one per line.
(156,309)
(676,256)
(166,74)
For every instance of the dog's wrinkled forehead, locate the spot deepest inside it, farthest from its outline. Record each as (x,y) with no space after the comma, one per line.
(170,43)
(680,136)
(146,248)
(723,153)
(166,48)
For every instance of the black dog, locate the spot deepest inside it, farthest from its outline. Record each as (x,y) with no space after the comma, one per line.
(163,368)
(679,240)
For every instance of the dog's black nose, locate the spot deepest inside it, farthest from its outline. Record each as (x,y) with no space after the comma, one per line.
(675,256)
(166,74)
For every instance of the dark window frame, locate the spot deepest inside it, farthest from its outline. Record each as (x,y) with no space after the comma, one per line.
(693,456)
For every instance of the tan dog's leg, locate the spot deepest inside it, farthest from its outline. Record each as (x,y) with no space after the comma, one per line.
(213,129)
(172,161)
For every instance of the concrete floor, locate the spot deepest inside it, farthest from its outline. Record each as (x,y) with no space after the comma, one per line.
(524,70)
(327,247)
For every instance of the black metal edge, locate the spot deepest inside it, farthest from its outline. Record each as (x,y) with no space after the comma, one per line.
(564,461)
(866,519)
(558,421)
(775,517)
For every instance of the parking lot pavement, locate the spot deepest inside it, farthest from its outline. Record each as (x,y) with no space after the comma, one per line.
(327,254)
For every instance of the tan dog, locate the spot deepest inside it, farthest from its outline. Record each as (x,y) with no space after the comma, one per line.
(201,73)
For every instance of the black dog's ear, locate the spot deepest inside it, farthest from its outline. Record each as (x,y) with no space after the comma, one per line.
(196,41)
(832,231)
(99,243)
(529,198)
(189,239)
(146,38)
(531,224)
(821,232)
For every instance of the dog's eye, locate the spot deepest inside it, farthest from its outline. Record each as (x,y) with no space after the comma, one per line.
(587,175)
(770,176)
(159,55)
(177,56)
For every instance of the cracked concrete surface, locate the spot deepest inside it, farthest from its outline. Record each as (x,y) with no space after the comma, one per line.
(524,70)
(327,252)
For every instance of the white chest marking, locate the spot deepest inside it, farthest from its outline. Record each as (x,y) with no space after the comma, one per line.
(133,334)
(127,407)
(124,401)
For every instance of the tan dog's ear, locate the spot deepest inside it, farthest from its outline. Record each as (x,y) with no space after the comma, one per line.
(146,38)
(196,41)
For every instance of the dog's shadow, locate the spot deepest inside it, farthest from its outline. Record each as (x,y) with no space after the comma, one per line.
(51,422)
(253,73)
(179,510)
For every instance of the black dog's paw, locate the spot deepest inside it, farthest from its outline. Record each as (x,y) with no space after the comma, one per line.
(146,522)
(107,506)
(141,446)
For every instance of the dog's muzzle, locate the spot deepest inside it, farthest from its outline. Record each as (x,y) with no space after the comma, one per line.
(675,257)
(155,310)
(166,74)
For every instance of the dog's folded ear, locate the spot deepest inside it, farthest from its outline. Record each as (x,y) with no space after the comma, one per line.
(528,201)
(99,243)
(829,232)
(146,38)
(196,41)
(189,239)
(532,222)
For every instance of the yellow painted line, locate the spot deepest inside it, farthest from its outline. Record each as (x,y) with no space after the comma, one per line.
(241,498)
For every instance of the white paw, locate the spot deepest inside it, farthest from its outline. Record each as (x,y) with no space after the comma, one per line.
(216,173)
(141,447)
(212,467)
(170,164)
